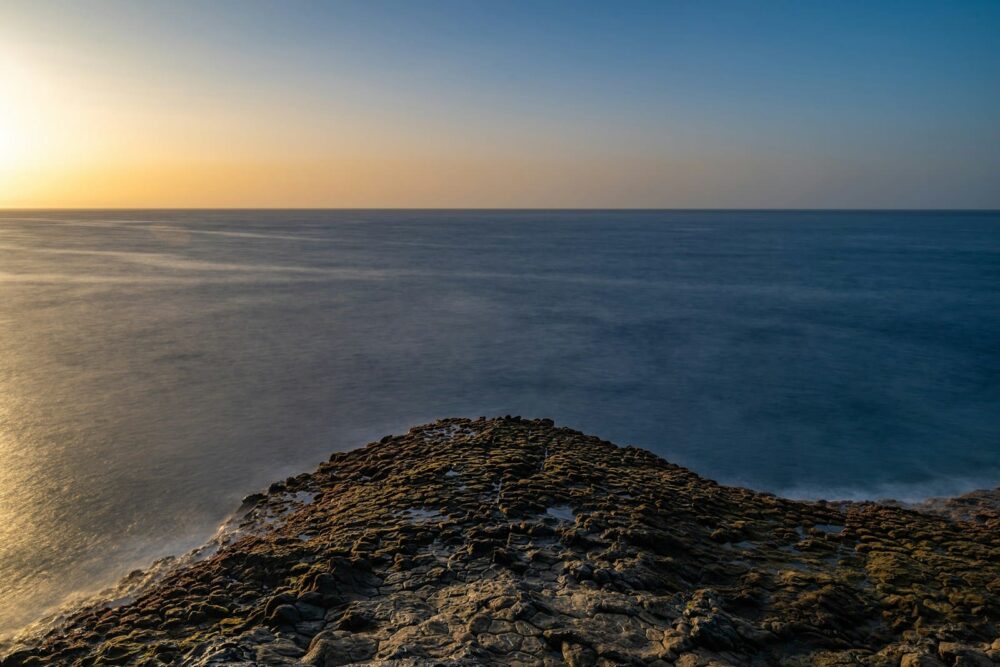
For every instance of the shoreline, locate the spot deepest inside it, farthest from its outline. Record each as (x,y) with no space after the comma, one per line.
(262,524)
(961,507)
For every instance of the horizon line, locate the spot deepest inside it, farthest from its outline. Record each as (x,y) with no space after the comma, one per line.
(4,209)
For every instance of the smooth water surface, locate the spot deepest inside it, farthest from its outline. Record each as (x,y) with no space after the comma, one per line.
(155,367)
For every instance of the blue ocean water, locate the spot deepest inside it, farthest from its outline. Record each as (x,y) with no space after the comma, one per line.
(157,366)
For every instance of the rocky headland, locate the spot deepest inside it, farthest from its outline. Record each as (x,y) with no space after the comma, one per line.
(514,542)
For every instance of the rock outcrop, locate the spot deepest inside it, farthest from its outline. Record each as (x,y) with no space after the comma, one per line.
(510,541)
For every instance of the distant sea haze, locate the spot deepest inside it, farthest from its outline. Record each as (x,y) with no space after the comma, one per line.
(157,366)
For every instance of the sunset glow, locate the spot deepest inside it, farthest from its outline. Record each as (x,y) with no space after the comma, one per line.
(390,104)
(13,130)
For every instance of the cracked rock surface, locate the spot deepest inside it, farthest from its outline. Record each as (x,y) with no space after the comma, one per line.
(514,542)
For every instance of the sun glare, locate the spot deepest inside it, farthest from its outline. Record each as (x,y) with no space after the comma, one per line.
(15,125)
(10,143)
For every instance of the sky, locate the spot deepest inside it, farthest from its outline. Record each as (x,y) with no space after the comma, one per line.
(437,103)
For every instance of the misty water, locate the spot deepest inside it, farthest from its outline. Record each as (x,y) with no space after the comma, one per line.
(155,367)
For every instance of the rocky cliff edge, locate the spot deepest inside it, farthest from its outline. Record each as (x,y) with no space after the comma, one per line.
(514,542)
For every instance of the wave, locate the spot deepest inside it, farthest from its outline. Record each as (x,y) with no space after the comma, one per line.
(904,492)
(253,517)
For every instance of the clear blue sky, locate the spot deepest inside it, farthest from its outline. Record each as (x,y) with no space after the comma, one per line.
(704,104)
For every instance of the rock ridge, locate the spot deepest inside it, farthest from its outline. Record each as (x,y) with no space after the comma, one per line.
(511,541)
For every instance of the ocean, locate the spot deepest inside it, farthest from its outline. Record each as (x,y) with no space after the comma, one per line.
(157,366)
